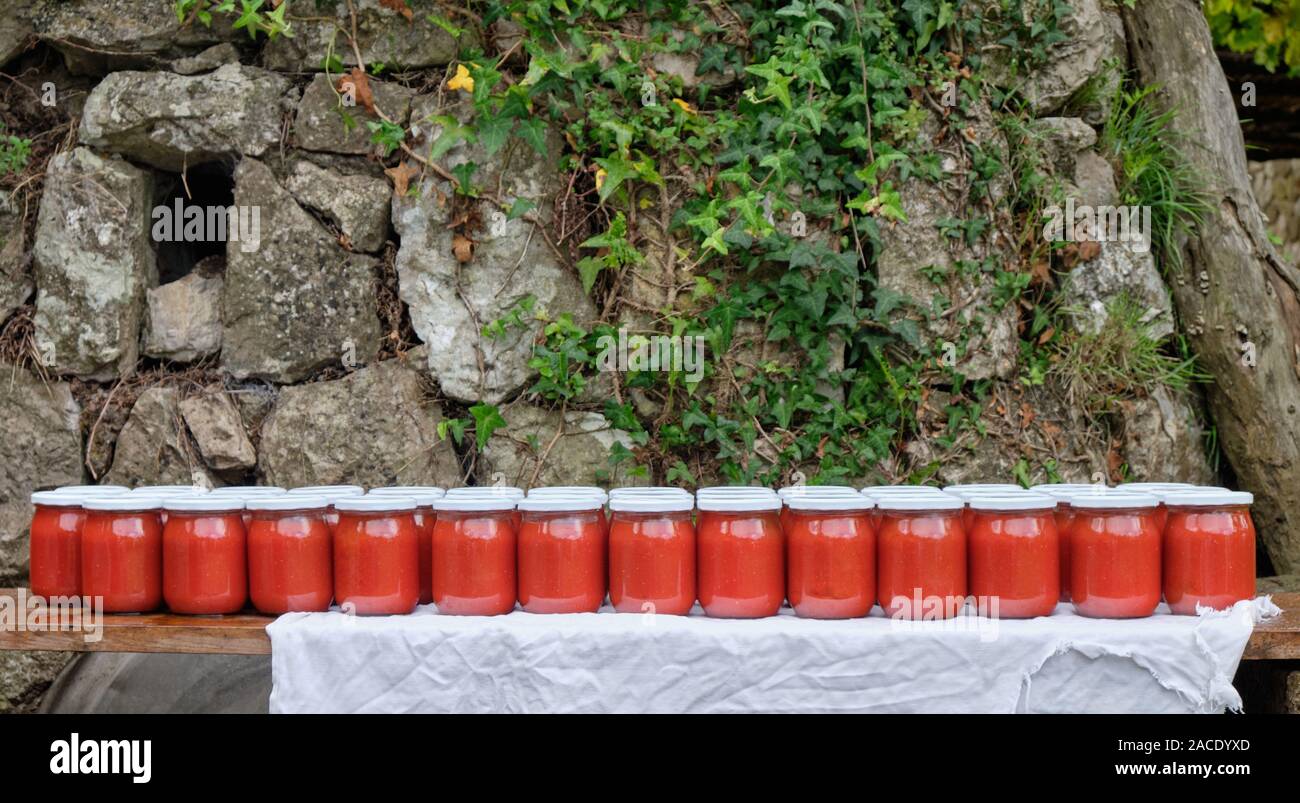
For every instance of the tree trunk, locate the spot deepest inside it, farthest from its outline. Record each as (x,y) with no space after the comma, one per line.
(1236,297)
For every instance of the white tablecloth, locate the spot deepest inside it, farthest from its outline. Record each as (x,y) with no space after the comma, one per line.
(607,662)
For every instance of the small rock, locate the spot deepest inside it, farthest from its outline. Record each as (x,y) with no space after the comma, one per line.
(218,431)
(183,323)
(324,124)
(1063,139)
(384,36)
(25,676)
(171,121)
(15,278)
(15,29)
(207,61)
(1070,63)
(98,36)
(153,449)
(359,205)
(41,449)
(298,302)
(1094,180)
(578,457)
(94,262)
(1119,270)
(376,426)
(1164,440)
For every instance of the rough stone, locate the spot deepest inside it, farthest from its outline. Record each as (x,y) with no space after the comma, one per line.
(41,449)
(15,28)
(15,278)
(1120,270)
(1164,440)
(153,448)
(383,35)
(376,426)
(578,456)
(183,321)
(359,205)
(324,124)
(509,264)
(93,264)
(1070,63)
(218,431)
(298,302)
(25,676)
(1063,139)
(1094,181)
(207,61)
(96,36)
(170,121)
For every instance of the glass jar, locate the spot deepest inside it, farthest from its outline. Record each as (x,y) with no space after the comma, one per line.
(121,552)
(830,556)
(562,554)
(290,554)
(652,553)
(508,492)
(1114,555)
(474,543)
(54,565)
(331,494)
(377,555)
(205,556)
(1209,550)
(921,556)
(740,557)
(1014,555)
(424,496)
(1062,492)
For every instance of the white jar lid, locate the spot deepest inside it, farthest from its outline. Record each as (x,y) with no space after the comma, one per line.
(815,490)
(982,486)
(177,490)
(886,490)
(382,503)
(922,502)
(289,501)
(422,497)
(1208,497)
(738,503)
(485,503)
(1020,501)
(1065,489)
(1113,500)
(830,503)
(650,490)
(1152,486)
(403,490)
(508,491)
(191,488)
(329,490)
(558,503)
(122,502)
(96,488)
(652,503)
(567,489)
(732,490)
(204,503)
(248,490)
(58,498)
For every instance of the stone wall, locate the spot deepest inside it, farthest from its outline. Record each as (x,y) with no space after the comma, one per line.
(1276,184)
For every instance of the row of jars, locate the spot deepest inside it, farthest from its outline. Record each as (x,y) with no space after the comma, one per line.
(741,552)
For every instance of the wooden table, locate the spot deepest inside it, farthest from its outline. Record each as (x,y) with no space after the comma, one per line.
(245,634)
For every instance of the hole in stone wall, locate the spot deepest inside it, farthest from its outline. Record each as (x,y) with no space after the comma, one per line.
(210,186)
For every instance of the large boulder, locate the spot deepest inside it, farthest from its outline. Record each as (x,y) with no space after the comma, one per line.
(376,426)
(15,277)
(171,121)
(41,449)
(1120,270)
(1164,440)
(96,36)
(93,264)
(578,456)
(15,28)
(154,448)
(298,302)
(450,302)
(357,204)
(324,124)
(218,431)
(183,321)
(1071,63)
(383,35)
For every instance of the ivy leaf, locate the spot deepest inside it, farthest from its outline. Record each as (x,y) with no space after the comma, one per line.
(519,208)
(588,269)
(487,419)
(617,170)
(493,133)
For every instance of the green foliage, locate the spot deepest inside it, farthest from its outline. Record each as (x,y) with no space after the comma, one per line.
(487,419)
(14,153)
(1269,30)
(249,16)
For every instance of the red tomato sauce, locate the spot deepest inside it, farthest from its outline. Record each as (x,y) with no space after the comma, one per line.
(1114,561)
(921,560)
(1064,521)
(741,562)
(121,559)
(562,558)
(55,544)
(290,560)
(1209,557)
(831,562)
(1014,558)
(473,571)
(376,560)
(651,560)
(205,562)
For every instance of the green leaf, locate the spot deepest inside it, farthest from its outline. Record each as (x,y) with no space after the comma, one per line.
(487,419)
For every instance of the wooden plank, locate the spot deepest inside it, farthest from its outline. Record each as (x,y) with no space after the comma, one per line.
(1279,638)
(237,634)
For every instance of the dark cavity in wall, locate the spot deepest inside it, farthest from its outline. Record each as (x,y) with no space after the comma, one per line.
(209,187)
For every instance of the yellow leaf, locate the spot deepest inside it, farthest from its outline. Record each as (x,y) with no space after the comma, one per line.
(600,177)
(686,107)
(462,80)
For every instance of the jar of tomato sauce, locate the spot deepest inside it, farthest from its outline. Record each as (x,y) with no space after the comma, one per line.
(424,496)
(121,552)
(740,555)
(508,492)
(1209,549)
(652,553)
(1157,489)
(55,543)
(562,554)
(290,555)
(1062,492)
(331,494)
(377,555)
(803,491)
(205,555)
(830,556)
(1014,557)
(1114,555)
(921,556)
(474,554)
(245,493)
